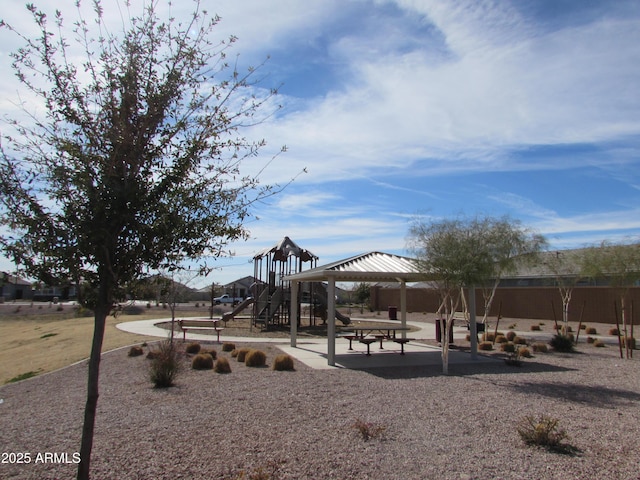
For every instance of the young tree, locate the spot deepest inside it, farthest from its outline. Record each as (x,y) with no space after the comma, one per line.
(566,267)
(463,253)
(618,264)
(453,254)
(510,245)
(135,161)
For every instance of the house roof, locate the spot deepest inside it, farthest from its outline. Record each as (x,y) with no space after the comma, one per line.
(367,267)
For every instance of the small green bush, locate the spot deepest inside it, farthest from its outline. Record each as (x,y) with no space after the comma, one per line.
(519,340)
(488,337)
(485,346)
(536,328)
(202,361)
(591,340)
(562,343)
(193,348)
(164,365)
(222,366)
(511,335)
(242,354)
(583,327)
(283,362)
(501,339)
(539,347)
(135,351)
(228,347)
(598,343)
(613,331)
(590,331)
(255,358)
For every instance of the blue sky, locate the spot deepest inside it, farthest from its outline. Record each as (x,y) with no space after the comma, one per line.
(400,108)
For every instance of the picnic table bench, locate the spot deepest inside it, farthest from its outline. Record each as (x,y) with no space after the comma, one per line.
(383,333)
(200,324)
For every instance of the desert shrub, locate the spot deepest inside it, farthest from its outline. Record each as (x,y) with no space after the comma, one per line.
(193,348)
(524,352)
(488,337)
(211,352)
(234,352)
(165,366)
(255,358)
(197,305)
(583,327)
(598,343)
(562,343)
(468,337)
(202,361)
(519,340)
(135,351)
(152,354)
(512,326)
(630,342)
(591,340)
(228,347)
(368,430)
(222,366)
(566,329)
(613,331)
(132,310)
(241,353)
(501,339)
(283,362)
(590,331)
(486,346)
(539,347)
(511,335)
(536,328)
(508,347)
(543,432)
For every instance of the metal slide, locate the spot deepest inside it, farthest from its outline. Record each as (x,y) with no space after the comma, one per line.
(241,306)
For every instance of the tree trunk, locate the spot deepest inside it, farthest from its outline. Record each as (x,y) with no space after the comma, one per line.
(103,307)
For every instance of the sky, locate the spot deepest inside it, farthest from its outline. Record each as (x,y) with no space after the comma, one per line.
(405,109)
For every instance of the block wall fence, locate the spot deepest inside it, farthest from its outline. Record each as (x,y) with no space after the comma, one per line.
(523,302)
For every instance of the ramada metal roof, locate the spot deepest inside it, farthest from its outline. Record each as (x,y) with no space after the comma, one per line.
(367,267)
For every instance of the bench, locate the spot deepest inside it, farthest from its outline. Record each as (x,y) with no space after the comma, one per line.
(200,324)
(463,317)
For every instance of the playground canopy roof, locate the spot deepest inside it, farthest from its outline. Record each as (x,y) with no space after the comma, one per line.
(367,267)
(284,249)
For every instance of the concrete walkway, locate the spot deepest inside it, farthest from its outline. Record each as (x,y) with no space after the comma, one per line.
(313,351)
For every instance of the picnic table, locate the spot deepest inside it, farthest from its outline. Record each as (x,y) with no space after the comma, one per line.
(378,333)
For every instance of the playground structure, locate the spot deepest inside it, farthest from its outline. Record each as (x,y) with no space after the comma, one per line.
(272,294)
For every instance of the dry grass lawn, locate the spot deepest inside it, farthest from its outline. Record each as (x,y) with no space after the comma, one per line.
(41,341)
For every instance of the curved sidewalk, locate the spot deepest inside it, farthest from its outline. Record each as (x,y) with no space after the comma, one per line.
(313,351)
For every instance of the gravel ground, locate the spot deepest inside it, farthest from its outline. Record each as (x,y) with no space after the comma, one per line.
(300,425)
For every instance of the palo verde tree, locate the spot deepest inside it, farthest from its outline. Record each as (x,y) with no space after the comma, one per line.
(465,253)
(134,163)
(453,254)
(567,268)
(510,245)
(618,265)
